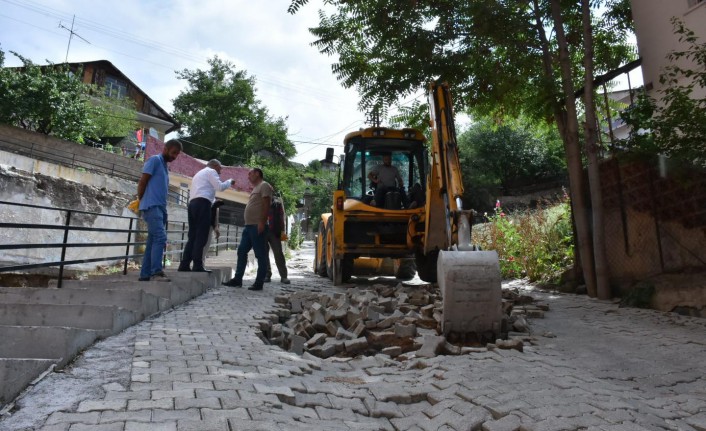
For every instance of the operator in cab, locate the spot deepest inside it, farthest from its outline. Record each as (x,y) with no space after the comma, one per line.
(386,178)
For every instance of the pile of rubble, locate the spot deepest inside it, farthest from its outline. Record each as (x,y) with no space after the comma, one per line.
(402,322)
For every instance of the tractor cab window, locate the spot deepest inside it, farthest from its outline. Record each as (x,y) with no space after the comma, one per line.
(355,179)
(365,170)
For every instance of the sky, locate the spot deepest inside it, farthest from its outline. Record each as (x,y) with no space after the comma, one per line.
(148,40)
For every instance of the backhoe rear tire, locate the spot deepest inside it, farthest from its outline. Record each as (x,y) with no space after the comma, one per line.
(320,257)
(328,253)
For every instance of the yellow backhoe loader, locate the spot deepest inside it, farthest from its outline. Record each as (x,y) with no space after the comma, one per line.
(388,224)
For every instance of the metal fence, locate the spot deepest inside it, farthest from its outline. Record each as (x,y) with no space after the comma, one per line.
(75,235)
(74,160)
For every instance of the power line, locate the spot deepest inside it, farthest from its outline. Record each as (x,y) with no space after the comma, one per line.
(122,35)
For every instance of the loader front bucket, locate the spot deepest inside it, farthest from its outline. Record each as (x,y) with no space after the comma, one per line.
(471,293)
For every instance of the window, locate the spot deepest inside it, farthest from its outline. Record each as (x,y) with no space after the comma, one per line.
(115,87)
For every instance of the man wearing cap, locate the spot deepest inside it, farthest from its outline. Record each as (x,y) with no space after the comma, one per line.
(201,197)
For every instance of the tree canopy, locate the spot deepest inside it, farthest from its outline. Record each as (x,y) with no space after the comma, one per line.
(489,50)
(220,111)
(49,100)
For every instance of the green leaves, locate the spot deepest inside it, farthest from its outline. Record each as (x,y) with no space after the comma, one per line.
(219,110)
(673,121)
(50,100)
(495,158)
(490,51)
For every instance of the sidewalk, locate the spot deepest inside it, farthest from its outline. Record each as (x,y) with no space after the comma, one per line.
(203,366)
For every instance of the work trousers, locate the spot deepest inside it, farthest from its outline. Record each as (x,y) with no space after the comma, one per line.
(199,224)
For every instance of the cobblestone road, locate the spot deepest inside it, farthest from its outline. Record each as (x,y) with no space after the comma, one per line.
(202,366)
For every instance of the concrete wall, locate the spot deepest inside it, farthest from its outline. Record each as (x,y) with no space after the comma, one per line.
(57,151)
(52,186)
(655,33)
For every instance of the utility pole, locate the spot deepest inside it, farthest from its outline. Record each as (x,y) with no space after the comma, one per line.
(72,33)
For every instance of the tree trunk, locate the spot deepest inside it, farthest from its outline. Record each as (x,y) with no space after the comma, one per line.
(567,123)
(594,179)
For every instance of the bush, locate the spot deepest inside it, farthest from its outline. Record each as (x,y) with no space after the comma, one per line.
(537,244)
(296,239)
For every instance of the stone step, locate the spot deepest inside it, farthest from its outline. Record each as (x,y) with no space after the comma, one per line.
(144,304)
(45,342)
(170,293)
(16,374)
(107,319)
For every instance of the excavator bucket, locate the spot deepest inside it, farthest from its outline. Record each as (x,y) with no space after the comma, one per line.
(471,293)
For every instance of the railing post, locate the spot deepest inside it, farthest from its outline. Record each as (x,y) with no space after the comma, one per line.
(63,248)
(217,241)
(127,247)
(166,246)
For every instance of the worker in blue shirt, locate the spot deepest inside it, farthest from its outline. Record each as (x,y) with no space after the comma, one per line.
(152,192)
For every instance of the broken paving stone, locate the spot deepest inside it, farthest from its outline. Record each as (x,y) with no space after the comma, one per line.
(431,346)
(295,306)
(297,344)
(451,349)
(316,340)
(336,314)
(508,344)
(393,351)
(520,324)
(358,329)
(332,328)
(405,331)
(342,334)
(391,320)
(324,351)
(356,346)
(471,350)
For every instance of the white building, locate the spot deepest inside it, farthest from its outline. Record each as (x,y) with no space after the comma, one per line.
(655,34)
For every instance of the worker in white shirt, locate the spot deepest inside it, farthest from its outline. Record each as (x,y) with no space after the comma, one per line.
(201,197)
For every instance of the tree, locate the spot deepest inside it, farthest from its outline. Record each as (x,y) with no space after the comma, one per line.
(220,111)
(486,147)
(110,116)
(502,58)
(321,183)
(286,179)
(50,100)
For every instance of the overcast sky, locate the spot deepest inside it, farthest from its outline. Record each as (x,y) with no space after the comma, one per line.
(149,39)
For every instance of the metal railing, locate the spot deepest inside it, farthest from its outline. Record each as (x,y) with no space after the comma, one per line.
(71,159)
(14,232)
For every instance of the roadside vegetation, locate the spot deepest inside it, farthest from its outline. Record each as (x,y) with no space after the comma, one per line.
(532,243)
